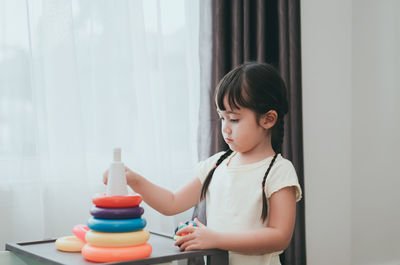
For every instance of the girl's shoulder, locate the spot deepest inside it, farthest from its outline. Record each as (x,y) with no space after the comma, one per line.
(204,166)
(282,174)
(282,170)
(212,160)
(283,163)
(216,156)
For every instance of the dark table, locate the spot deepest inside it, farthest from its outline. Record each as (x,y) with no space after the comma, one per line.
(163,251)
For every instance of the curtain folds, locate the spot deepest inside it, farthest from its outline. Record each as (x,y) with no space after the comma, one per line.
(290,69)
(242,31)
(264,31)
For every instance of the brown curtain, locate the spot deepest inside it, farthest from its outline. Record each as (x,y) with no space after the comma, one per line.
(264,31)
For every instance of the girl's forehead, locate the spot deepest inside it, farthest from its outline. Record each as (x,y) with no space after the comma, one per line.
(237,111)
(228,107)
(227,111)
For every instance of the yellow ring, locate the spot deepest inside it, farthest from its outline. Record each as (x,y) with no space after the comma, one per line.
(102,239)
(69,244)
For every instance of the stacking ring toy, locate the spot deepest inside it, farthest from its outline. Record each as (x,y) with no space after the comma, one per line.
(69,244)
(103,254)
(102,200)
(80,231)
(100,239)
(116,225)
(117,213)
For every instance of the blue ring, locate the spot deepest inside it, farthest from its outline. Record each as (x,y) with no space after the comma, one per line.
(116,225)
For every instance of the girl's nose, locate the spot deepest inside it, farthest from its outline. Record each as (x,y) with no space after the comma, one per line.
(226,128)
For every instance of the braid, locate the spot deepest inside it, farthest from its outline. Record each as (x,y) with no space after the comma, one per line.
(264,197)
(277,141)
(210,174)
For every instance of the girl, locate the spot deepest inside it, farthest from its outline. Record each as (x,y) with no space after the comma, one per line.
(250,190)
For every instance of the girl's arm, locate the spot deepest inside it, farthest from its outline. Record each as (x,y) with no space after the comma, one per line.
(160,199)
(275,237)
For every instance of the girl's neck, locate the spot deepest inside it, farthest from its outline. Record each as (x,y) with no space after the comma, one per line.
(238,158)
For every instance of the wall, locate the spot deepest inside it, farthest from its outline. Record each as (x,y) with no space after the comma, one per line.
(351,131)
(375,138)
(326,62)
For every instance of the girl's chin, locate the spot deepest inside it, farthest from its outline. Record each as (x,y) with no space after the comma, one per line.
(236,148)
(232,147)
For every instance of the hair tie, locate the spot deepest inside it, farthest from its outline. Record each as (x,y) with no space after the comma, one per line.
(215,166)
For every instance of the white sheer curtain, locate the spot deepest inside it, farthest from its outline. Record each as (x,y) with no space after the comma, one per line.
(78,78)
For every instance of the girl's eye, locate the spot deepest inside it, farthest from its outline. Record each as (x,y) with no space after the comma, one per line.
(231,120)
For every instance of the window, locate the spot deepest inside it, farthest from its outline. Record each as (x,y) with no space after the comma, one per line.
(78,78)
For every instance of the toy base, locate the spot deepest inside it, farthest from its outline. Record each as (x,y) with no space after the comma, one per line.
(114,254)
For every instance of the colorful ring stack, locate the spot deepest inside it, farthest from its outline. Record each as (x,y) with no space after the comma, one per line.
(116,230)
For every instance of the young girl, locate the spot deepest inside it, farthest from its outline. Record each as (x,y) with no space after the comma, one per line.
(250,190)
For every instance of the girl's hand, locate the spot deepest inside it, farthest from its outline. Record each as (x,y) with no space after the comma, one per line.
(200,237)
(131,177)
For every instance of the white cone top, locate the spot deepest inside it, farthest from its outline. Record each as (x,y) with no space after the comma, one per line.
(117,154)
(116,183)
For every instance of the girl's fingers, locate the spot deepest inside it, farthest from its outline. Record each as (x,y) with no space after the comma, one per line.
(179,241)
(185,245)
(105,177)
(184,239)
(187,242)
(192,247)
(187,229)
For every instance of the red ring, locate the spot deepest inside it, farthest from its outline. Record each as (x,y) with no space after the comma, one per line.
(102,200)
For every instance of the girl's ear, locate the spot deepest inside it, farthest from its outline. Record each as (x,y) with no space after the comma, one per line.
(269,119)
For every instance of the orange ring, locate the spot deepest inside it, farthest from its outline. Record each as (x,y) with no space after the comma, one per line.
(114,254)
(102,200)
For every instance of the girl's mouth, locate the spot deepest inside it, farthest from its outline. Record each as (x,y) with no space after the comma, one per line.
(228,140)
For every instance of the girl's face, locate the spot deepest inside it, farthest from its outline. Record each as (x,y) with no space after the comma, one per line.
(241,130)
